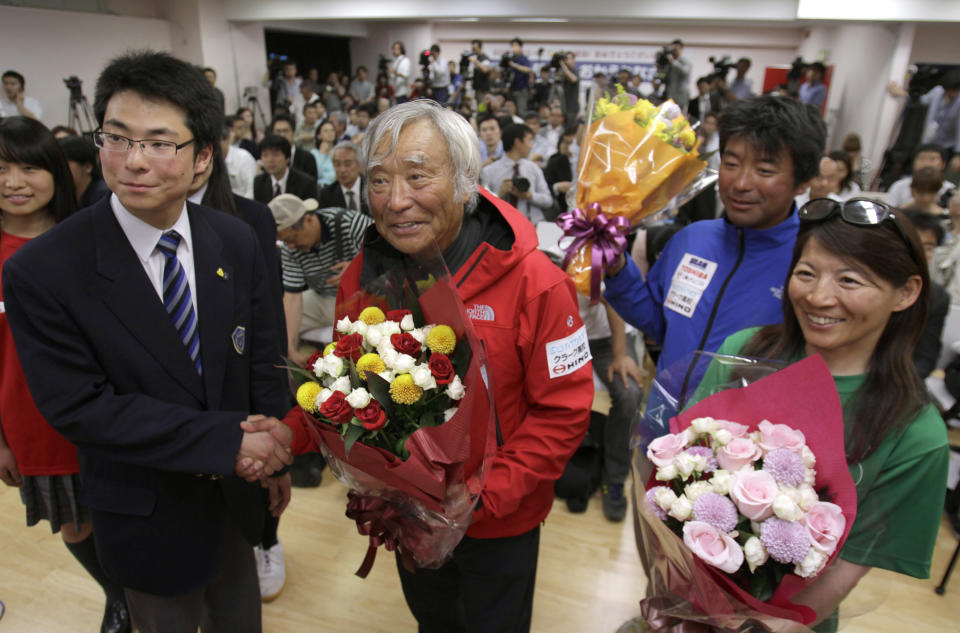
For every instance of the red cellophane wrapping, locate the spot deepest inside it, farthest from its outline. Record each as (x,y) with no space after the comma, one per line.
(686,595)
(420,506)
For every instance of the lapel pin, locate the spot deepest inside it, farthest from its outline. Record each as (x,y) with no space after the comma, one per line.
(222,274)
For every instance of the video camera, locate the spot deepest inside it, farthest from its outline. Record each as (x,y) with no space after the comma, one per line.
(75,86)
(508,71)
(465,62)
(383,64)
(425,60)
(722,66)
(556,58)
(662,61)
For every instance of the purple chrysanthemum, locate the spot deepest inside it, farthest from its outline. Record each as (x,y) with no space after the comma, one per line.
(786,541)
(657,510)
(705,452)
(785,466)
(717,510)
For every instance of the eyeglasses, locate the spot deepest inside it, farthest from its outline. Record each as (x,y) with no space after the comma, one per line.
(151,148)
(856,211)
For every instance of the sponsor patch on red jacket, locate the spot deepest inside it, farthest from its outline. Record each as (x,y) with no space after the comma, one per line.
(568,354)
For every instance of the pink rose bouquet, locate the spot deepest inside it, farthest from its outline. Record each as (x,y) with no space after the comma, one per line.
(740,513)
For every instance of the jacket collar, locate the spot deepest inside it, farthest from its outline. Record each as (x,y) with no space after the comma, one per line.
(773,237)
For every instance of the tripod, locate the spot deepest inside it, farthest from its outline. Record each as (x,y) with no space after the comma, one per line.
(78,114)
(254,104)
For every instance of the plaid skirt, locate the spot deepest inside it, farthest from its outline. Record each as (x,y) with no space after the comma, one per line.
(54,498)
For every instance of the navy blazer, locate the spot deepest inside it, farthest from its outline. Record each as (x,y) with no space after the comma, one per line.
(107,369)
(332,196)
(298,183)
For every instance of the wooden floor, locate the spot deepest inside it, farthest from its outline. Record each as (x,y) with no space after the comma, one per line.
(589,579)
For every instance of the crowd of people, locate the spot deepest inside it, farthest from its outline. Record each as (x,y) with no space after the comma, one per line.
(214,248)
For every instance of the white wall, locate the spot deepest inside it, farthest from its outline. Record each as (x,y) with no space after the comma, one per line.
(46,46)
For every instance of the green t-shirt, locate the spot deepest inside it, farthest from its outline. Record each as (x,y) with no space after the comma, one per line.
(900,486)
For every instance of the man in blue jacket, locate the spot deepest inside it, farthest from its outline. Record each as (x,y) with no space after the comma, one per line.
(716,277)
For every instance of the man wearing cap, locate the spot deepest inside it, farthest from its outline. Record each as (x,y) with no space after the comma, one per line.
(317,246)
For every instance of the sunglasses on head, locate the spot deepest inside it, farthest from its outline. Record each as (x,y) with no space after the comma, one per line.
(856,211)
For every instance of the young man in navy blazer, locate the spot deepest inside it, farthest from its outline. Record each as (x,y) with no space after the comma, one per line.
(150,350)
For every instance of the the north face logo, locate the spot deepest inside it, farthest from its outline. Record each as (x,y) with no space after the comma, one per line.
(480,312)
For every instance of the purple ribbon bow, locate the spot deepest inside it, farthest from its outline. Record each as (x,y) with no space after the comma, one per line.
(609,236)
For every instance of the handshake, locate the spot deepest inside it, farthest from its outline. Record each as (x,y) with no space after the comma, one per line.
(265,448)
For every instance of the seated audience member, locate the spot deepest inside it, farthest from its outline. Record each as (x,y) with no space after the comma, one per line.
(307,93)
(307,129)
(561,171)
(346,192)
(360,88)
(339,120)
(84,162)
(707,100)
(283,125)
(825,184)
(211,76)
(928,155)
(927,352)
(945,268)
(489,132)
(325,140)
(245,132)
(14,102)
(61,131)
(542,150)
(318,245)
(925,186)
(847,185)
(554,127)
(278,176)
(517,179)
(860,166)
(241,165)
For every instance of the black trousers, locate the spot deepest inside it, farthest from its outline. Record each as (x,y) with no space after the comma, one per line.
(229,604)
(486,588)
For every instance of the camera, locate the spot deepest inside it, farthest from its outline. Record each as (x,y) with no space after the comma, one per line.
(465,63)
(75,86)
(662,61)
(722,66)
(382,64)
(556,59)
(251,93)
(425,60)
(521,184)
(508,72)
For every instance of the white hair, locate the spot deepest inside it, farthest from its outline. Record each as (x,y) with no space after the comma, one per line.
(459,137)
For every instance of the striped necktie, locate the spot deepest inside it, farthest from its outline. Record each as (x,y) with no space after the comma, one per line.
(177,298)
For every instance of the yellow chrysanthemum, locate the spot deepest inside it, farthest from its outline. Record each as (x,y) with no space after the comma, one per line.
(643,110)
(442,339)
(688,138)
(404,391)
(307,396)
(329,349)
(372,315)
(370,362)
(609,108)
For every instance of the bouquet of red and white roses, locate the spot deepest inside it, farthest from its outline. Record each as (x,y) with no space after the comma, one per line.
(400,409)
(385,378)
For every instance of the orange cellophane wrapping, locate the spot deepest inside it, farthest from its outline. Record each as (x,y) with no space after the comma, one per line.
(628,171)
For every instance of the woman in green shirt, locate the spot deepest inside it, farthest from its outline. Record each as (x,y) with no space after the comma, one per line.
(857,294)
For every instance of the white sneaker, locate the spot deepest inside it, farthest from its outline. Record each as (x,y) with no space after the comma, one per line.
(271,570)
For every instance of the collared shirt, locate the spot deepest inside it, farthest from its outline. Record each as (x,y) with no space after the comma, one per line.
(8,108)
(341,237)
(495,173)
(356,194)
(401,76)
(440,73)
(813,94)
(485,153)
(144,237)
(741,88)
(282,182)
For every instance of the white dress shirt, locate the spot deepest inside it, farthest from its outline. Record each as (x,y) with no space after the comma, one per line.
(356,194)
(242,169)
(144,237)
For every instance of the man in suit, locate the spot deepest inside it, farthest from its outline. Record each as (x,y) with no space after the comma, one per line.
(144,330)
(283,125)
(707,101)
(279,177)
(344,192)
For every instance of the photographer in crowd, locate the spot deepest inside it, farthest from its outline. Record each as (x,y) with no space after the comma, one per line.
(439,73)
(570,81)
(678,73)
(517,179)
(480,70)
(520,70)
